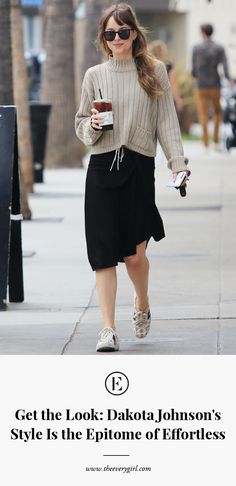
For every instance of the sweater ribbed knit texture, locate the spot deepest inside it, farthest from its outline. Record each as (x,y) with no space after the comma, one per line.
(139,121)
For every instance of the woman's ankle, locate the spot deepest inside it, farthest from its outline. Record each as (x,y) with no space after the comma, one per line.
(141,304)
(112,326)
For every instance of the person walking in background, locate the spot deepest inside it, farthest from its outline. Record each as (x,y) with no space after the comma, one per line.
(206,59)
(159,50)
(120,211)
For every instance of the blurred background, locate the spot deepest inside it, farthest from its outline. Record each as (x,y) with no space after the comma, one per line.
(54,40)
(176,22)
(45,48)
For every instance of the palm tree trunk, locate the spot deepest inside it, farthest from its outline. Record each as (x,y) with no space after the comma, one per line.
(20,85)
(58,85)
(6,84)
(92,55)
(6,78)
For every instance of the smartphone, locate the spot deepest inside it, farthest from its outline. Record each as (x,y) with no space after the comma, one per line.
(179,180)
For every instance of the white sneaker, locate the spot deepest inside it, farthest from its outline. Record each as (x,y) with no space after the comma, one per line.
(108,340)
(217,147)
(141,322)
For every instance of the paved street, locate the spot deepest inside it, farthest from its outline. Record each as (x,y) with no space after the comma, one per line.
(192,277)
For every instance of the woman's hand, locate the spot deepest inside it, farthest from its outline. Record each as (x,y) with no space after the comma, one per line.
(182,187)
(96,119)
(188,173)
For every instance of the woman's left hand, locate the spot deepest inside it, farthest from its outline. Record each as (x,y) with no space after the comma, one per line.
(188,173)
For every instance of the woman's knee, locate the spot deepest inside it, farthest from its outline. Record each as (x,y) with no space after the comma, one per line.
(135,261)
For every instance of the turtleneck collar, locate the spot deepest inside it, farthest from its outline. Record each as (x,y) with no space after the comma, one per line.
(121,65)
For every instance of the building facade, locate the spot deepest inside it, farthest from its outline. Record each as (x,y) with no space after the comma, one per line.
(174,21)
(177,23)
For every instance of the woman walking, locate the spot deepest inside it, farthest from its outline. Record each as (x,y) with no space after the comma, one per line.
(158,49)
(120,211)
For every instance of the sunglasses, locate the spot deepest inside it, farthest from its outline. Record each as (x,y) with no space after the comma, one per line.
(110,35)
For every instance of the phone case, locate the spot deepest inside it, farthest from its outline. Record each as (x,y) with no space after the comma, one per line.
(179,180)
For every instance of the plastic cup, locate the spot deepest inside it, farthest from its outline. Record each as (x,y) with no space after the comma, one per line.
(104,106)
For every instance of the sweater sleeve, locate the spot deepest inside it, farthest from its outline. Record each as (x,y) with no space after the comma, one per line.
(84,131)
(168,131)
(225,63)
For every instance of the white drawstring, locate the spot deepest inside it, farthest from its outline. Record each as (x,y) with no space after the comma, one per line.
(119,154)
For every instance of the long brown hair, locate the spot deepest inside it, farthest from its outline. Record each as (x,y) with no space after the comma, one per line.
(145,63)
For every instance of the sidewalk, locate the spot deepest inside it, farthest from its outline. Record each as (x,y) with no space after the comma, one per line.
(192,277)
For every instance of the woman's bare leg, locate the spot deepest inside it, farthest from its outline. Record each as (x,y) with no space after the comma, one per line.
(106,281)
(138,270)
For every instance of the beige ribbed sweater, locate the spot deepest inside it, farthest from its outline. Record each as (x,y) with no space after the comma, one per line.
(139,121)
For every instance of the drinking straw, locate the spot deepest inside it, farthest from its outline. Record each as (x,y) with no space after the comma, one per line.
(100,93)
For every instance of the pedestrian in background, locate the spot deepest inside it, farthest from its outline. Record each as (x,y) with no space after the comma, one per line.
(120,211)
(206,59)
(159,50)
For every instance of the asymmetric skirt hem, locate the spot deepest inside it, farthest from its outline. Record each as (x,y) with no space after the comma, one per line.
(121,258)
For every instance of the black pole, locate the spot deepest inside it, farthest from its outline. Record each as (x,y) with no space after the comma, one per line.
(11,270)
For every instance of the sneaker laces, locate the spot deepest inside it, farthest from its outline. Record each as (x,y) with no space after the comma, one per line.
(107,332)
(119,154)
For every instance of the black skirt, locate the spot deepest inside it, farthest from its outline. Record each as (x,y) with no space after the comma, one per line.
(120,210)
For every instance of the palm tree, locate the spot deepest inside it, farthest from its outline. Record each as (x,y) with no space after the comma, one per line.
(58,85)
(6,85)
(6,78)
(93,11)
(20,86)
